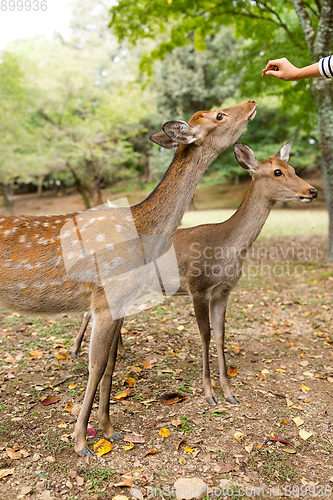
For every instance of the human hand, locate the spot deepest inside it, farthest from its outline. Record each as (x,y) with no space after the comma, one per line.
(282,69)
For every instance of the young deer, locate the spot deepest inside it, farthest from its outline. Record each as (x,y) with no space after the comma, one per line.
(210,257)
(33,276)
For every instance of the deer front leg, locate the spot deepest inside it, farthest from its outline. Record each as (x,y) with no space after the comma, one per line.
(217,314)
(201,309)
(103,333)
(75,351)
(105,389)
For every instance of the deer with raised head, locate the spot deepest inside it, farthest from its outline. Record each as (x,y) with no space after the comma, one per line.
(210,257)
(33,276)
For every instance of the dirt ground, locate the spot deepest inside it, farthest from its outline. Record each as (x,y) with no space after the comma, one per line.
(279,345)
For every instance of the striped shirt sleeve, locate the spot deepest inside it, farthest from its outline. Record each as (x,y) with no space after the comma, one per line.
(326,67)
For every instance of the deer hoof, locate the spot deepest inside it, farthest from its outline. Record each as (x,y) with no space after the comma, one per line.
(125,355)
(86,452)
(232,399)
(212,400)
(75,354)
(116,436)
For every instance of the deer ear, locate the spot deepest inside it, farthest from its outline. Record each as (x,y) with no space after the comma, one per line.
(245,157)
(163,140)
(181,132)
(284,153)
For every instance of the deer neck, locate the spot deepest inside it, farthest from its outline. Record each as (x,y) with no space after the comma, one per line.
(161,212)
(243,228)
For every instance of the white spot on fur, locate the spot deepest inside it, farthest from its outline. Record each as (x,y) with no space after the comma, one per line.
(100,237)
(6,233)
(110,246)
(22,238)
(119,228)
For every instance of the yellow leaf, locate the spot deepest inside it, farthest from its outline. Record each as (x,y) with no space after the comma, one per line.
(164,319)
(6,472)
(239,436)
(280,370)
(62,355)
(297,408)
(71,386)
(289,403)
(102,447)
(304,434)
(170,351)
(236,349)
(265,371)
(131,382)
(315,282)
(181,327)
(308,374)
(283,422)
(305,388)
(232,371)
(122,395)
(288,450)
(272,435)
(164,432)
(147,365)
(189,450)
(35,354)
(129,447)
(298,421)
(62,425)
(182,460)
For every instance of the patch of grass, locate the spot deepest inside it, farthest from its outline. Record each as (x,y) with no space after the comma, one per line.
(186,425)
(97,476)
(273,466)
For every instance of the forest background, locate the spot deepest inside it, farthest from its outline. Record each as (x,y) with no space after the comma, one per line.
(77,112)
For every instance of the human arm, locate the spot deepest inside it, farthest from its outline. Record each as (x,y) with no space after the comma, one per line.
(284,70)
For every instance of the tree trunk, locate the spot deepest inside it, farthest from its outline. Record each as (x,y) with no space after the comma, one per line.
(97,190)
(322,92)
(8,196)
(40,186)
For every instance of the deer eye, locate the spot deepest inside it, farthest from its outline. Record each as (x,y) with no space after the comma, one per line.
(277,173)
(219,116)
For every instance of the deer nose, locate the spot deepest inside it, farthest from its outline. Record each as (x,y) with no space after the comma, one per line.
(313,192)
(253,101)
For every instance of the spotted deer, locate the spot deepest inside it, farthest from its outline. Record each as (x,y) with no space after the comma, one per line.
(33,276)
(210,257)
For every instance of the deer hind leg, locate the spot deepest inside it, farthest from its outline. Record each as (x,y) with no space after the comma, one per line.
(217,313)
(105,389)
(121,348)
(75,351)
(201,309)
(104,334)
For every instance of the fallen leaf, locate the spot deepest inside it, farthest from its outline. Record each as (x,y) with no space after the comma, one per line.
(189,450)
(122,395)
(120,497)
(91,432)
(261,376)
(265,371)
(308,374)
(62,425)
(182,461)
(280,370)
(239,436)
(249,447)
(176,422)
(123,483)
(232,371)
(147,365)
(164,432)
(71,386)
(49,400)
(50,459)
(297,408)
(181,327)
(305,388)
(25,490)
(298,421)
(9,358)
(62,355)
(275,439)
(183,441)
(283,422)
(304,434)
(134,438)
(131,382)
(330,380)
(289,403)
(129,447)
(35,354)
(17,453)
(6,472)
(151,452)
(236,349)
(102,447)
(170,398)
(302,355)
(288,450)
